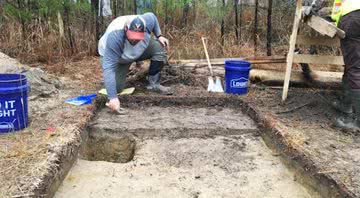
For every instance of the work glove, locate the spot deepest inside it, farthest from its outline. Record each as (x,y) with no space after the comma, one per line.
(164,41)
(329,19)
(307,12)
(312,7)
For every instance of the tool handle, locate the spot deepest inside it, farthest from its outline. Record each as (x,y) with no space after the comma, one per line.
(207,56)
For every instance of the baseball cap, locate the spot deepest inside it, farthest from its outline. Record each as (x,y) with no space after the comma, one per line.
(136,29)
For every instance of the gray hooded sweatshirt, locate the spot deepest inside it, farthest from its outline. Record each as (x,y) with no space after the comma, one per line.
(116,49)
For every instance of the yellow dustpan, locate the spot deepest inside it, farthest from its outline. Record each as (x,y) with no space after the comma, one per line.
(127,91)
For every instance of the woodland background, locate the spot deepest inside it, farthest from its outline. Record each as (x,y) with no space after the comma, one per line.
(48,31)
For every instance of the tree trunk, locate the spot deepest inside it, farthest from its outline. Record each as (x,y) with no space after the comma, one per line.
(166,13)
(240,20)
(124,8)
(256,24)
(61,30)
(67,25)
(101,16)
(236,9)
(115,8)
(223,24)
(95,22)
(185,14)
(269,28)
(194,10)
(22,22)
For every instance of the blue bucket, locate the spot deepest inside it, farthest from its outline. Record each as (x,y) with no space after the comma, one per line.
(13,102)
(237,76)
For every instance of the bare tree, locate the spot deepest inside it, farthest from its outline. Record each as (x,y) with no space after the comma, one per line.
(223,23)
(269,28)
(256,25)
(236,9)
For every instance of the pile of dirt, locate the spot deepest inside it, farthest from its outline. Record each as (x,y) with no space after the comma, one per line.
(41,83)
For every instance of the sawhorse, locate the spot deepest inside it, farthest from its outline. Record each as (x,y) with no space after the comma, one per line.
(330,37)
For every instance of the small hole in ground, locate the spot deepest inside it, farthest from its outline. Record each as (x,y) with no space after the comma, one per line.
(109,146)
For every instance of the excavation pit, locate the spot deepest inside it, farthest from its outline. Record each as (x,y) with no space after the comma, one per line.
(110,147)
(201,147)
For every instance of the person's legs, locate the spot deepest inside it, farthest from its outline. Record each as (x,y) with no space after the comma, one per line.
(121,72)
(350,47)
(120,75)
(158,56)
(344,105)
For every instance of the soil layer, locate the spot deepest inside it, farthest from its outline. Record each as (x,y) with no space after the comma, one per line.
(303,130)
(233,166)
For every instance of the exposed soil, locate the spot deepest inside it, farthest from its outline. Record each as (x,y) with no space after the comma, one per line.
(237,166)
(184,151)
(307,122)
(35,161)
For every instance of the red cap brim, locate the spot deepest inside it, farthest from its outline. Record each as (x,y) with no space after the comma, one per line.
(131,35)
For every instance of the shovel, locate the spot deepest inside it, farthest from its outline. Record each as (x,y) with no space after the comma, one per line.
(213,86)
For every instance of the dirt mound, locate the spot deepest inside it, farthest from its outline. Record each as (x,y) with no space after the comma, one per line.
(41,83)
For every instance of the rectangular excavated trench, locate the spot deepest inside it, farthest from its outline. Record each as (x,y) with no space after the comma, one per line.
(181,151)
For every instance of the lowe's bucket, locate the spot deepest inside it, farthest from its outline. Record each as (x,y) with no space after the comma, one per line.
(13,102)
(237,76)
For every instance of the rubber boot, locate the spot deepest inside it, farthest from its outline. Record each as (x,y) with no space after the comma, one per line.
(345,121)
(345,104)
(154,85)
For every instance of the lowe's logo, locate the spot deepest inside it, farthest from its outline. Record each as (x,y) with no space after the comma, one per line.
(239,83)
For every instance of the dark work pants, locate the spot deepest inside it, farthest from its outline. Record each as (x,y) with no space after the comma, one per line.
(350,47)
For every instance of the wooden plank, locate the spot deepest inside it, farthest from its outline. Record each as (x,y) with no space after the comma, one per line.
(324,27)
(290,56)
(318,40)
(219,60)
(318,60)
(222,63)
(261,75)
(297,76)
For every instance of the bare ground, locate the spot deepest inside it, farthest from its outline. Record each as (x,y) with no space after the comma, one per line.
(232,166)
(32,161)
(305,121)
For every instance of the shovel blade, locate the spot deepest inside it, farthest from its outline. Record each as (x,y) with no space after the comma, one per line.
(215,86)
(211,85)
(218,86)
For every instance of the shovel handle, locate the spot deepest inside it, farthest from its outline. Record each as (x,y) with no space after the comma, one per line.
(207,56)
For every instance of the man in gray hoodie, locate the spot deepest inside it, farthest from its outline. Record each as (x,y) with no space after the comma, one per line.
(126,40)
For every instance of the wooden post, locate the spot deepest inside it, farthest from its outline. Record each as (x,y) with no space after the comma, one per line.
(292,43)
(269,28)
